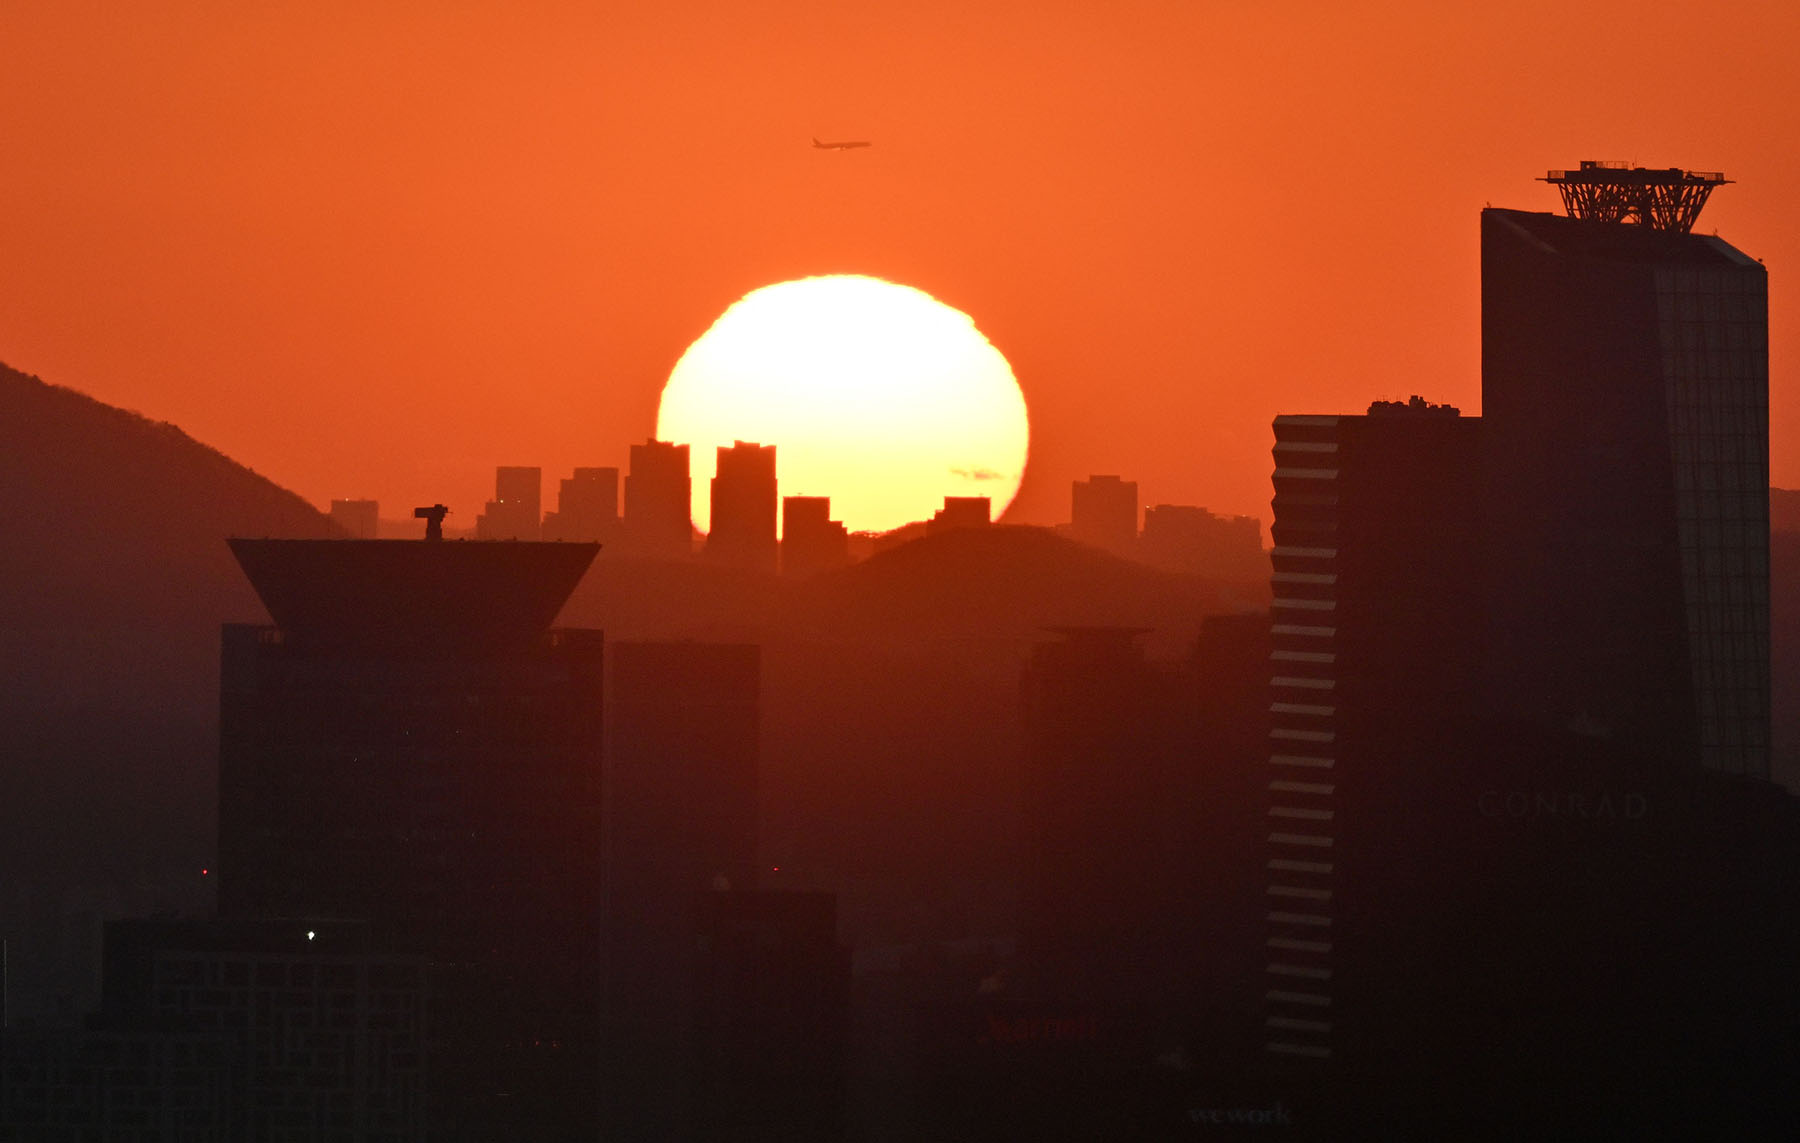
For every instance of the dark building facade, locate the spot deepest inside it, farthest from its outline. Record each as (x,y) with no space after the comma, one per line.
(1625,389)
(360,519)
(1099,752)
(411,745)
(322,1035)
(516,511)
(1126,1004)
(1103,511)
(1375,639)
(743,508)
(1467,904)
(961,512)
(724,1005)
(75,1085)
(658,501)
(771,1005)
(1186,538)
(811,541)
(587,507)
(681,776)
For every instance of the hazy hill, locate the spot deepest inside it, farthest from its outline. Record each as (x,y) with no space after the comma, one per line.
(114,529)
(1009,583)
(1000,583)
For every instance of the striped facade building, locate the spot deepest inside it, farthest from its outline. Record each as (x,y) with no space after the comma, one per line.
(1303,738)
(1373,630)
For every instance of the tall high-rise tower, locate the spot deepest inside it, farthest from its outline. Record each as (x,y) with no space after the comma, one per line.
(411,746)
(658,505)
(1375,636)
(1625,385)
(743,507)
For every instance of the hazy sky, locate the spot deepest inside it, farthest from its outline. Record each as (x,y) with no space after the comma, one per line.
(375,250)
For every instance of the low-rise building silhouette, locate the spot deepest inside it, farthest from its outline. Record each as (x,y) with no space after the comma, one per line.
(587,507)
(360,519)
(811,541)
(516,511)
(1183,538)
(1103,511)
(324,1034)
(961,512)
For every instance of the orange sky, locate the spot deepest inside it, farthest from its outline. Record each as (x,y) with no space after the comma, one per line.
(376,253)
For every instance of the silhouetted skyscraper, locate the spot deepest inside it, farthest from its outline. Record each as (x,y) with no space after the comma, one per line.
(1375,636)
(1103,511)
(515,512)
(1625,388)
(743,507)
(658,501)
(587,507)
(361,519)
(811,541)
(680,823)
(1102,738)
(961,512)
(1108,976)
(411,745)
(1221,799)
(1449,882)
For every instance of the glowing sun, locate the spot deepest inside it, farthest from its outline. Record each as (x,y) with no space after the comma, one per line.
(874,394)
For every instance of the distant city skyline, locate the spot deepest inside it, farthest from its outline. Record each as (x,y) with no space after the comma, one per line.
(370,278)
(1103,514)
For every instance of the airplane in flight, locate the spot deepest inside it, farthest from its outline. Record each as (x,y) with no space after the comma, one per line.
(846,145)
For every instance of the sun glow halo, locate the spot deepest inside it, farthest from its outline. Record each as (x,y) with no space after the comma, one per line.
(874,394)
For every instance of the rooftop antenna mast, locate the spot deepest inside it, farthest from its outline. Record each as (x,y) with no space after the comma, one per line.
(1618,192)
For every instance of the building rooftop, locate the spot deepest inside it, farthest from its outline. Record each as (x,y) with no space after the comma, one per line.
(1618,241)
(399,594)
(1415,406)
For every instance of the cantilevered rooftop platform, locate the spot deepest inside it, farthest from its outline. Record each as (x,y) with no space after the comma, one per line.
(1615,192)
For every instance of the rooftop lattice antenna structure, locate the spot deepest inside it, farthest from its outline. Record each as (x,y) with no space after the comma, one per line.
(1619,192)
